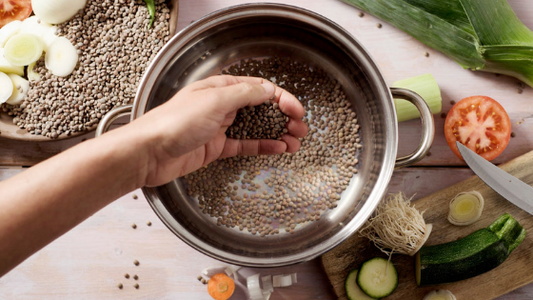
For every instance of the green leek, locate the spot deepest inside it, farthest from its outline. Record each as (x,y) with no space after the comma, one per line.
(424,85)
(150,4)
(484,35)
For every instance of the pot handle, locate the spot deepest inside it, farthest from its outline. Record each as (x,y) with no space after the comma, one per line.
(111,116)
(428,126)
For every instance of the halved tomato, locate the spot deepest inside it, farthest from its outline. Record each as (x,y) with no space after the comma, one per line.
(481,124)
(11,10)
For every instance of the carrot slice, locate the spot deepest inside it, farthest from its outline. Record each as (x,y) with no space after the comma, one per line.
(220,286)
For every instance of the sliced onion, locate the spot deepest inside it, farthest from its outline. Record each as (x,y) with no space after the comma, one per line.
(266,295)
(21,88)
(282,280)
(9,30)
(466,208)
(254,289)
(440,295)
(267,283)
(232,272)
(32,75)
(212,270)
(293,277)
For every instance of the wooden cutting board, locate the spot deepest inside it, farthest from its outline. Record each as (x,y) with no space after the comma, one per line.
(515,272)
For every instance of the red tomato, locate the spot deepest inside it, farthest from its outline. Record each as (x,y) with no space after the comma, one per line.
(11,10)
(481,124)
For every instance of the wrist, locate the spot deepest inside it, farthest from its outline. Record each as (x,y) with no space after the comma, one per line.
(128,152)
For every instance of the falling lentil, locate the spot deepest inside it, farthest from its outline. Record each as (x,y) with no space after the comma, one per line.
(120,286)
(135,277)
(136,262)
(265,121)
(149,223)
(379,25)
(136,286)
(127,276)
(134,226)
(135,197)
(299,187)
(115,46)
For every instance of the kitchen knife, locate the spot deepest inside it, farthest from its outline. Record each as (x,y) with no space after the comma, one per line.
(509,187)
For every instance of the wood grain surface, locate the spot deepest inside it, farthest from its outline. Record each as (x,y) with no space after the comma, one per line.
(91,259)
(398,55)
(509,276)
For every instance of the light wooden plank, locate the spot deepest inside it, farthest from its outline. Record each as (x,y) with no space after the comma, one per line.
(405,61)
(90,260)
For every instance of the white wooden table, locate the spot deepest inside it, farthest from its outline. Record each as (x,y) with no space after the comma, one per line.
(91,260)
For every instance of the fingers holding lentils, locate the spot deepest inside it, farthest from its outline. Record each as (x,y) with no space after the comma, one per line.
(268,195)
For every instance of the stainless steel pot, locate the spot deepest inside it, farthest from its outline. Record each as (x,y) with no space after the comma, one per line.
(225,37)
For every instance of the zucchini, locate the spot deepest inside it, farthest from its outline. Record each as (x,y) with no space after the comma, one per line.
(377,277)
(353,291)
(477,253)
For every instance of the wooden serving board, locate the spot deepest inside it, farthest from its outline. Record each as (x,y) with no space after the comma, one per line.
(12,131)
(515,272)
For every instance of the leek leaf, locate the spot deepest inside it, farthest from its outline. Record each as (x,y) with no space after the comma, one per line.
(483,35)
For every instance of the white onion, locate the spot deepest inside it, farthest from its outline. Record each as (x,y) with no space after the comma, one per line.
(267,283)
(57,11)
(232,272)
(6,87)
(22,86)
(61,57)
(440,294)
(254,290)
(282,280)
(9,30)
(472,201)
(34,26)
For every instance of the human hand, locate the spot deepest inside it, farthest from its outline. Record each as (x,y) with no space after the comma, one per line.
(188,131)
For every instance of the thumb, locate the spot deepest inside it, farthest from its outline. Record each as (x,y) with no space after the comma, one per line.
(232,97)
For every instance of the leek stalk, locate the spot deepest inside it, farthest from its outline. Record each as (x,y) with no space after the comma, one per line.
(484,35)
(150,4)
(424,85)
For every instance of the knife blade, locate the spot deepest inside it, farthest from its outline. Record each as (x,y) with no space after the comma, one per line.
(509,187)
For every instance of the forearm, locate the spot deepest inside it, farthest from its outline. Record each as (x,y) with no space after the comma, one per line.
(43,202)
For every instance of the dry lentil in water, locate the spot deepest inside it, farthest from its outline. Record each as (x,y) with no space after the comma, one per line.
(267,195)
(114,46)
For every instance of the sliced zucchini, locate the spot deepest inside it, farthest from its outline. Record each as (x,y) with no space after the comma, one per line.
(377,277)
(353,291)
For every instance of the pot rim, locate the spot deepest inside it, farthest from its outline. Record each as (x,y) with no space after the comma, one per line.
(381,92)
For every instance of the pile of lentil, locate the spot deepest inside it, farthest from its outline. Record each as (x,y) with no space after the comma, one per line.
(114,46)
(266,195)
(264,121)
